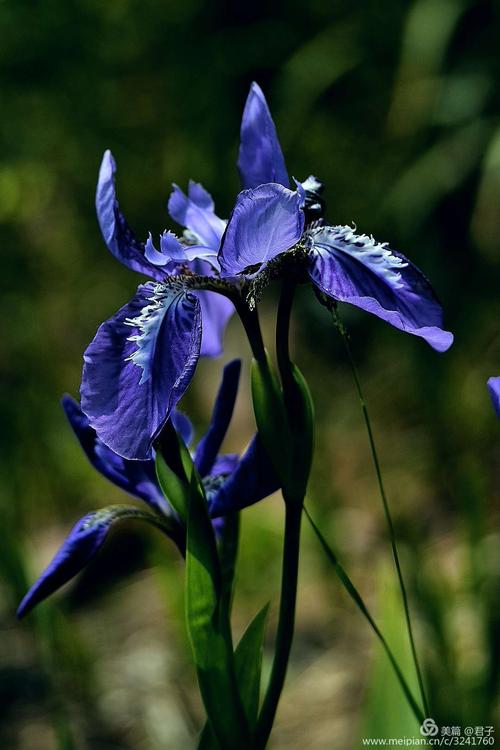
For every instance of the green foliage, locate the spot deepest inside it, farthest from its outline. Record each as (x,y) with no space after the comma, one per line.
(302,429)
(208,627)
(175,489)
(271,417)
(288,435)
(248,667)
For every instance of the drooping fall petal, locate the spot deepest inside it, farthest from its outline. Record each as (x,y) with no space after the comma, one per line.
(356,269)
(139,365)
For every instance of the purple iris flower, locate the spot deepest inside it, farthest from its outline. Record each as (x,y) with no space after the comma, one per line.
(269,219)
(231,483)
(494,390)
(142,359)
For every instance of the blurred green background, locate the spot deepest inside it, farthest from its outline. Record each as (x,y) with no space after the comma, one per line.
(396,106)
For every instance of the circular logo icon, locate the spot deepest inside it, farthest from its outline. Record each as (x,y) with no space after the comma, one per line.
(429,728)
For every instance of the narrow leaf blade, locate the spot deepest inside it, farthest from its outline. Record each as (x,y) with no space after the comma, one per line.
(248,662)
(208,627)
(359,602)
(175,490)
(248,658)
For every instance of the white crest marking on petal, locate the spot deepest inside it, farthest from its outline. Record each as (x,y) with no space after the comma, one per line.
(149,321)
(376,255)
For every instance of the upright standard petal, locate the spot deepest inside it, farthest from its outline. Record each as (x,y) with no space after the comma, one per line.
(209,445)
(494,390)
(138,478)
(139,365)
(81,545)
(117,234)
(356,269)
(195,211)
(260,158)
(252,480)
(265,222)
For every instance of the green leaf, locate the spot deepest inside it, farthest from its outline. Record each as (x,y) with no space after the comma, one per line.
(248,662)
(174,467)
(228,553)
(270,416)
(185,455)
(209,628)
(248,658)
(173,487)
(301,418)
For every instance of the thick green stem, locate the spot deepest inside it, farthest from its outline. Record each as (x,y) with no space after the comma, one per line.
(250,320)
(284,635)
(291,547)
(282,339)
(387,512)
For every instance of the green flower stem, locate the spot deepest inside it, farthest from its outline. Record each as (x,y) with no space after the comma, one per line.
(291,545)
(356,597)
(282,341)
(250,320)
(392,534)
(286,623)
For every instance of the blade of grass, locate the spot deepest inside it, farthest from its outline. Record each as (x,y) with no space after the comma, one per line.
(358,600)
(392,534)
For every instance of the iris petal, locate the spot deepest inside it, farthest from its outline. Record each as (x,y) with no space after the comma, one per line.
(265,222)
(358,270)
(117,234)
(225,464)
(183,426)
(139,365)
(171,252)
(83,542)
(494,390)
(81,545)
(260,158)
(138,478)
(195,211)
(216,311)
(251,481)
(209,445)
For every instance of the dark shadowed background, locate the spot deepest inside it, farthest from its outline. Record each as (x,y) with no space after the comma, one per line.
(396,106)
